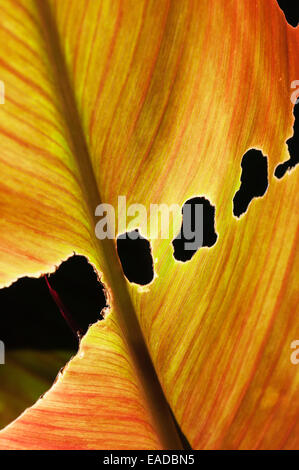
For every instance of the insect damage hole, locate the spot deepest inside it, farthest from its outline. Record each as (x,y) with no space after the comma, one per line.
(38,341)
(293,147)
(197,230)
(254,180)
(37,317)
(135,255)
(291,11)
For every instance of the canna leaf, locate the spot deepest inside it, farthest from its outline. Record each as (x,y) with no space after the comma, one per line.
(157,101)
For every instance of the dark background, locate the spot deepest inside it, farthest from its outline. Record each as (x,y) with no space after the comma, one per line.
(30,317)
(291,11)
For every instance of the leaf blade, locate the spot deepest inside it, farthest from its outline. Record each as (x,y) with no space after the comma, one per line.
(153,129)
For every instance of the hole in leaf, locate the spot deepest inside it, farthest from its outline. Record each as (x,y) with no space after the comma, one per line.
(135,255)
(291,11)
(38,341)
(254,180)
(31,319)
(293,148)
(202,229)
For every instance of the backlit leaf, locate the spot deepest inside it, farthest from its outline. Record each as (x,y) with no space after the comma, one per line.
(157,101)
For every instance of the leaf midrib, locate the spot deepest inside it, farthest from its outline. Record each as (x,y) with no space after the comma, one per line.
(122,301)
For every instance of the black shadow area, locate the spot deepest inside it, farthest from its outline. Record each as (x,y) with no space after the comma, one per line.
(208,236)
(291,11)
(135,255)
(293,148)
(31,319)
(254,180)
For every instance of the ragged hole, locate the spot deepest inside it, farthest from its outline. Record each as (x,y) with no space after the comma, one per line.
(291,11)
(293,147)
(38,341)
(254,180)
(197,230)
(135,255)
